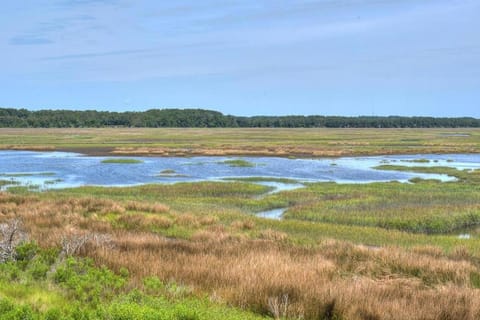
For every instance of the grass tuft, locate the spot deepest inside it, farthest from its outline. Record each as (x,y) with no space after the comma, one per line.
(122,161)
(237,163)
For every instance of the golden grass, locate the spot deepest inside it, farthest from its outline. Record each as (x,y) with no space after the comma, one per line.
(314,142)
(261,272)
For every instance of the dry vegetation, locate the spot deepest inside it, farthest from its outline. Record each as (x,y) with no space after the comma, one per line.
(347,259)
(245,141)
(259,269)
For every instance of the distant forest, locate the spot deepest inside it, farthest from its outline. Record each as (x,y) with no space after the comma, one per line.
(182,118)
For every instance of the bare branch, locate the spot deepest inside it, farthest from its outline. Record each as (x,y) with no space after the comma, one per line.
(11,235)
(73,243)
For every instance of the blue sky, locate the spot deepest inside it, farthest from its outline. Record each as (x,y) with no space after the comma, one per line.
(245,57)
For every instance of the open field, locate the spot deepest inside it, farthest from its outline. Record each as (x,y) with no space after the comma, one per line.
(271,142)
(198,251)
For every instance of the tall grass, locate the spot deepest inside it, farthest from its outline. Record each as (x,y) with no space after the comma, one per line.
(264,266)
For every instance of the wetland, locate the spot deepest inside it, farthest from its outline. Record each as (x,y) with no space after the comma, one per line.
(361,235)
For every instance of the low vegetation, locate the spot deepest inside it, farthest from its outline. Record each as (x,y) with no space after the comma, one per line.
(122,161)
(428,206)
(314,142)
(170,173)
(27,174)
(262,179)
(197,251)
(38,283)
(6,182)
(238,163)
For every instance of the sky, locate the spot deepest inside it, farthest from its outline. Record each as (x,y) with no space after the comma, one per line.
(243,57)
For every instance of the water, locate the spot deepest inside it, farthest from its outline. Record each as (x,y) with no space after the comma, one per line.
(64,170)
(275,214)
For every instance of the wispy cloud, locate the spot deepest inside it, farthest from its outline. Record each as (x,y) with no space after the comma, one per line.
(70,3)
(29,40)
(97,54)
(291,47)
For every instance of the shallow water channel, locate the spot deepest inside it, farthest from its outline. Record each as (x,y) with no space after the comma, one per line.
(51,170)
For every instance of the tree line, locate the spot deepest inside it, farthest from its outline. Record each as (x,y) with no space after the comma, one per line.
(199,118)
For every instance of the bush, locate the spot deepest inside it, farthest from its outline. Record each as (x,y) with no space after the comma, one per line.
(153,285)
(38,269)
(26,251)
(8,311)
(86,283)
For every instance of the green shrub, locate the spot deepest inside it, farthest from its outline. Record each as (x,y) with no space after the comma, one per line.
(26,251)
(38,269)
(53,314)
(153,285)
(183,312)
(86,283)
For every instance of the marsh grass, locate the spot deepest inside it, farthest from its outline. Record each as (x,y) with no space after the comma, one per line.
(262,179)
(338,255)
(417,160)
(465,175)
(315,142)
(427,206)
(249,265)
(50,182)
(168,171)
(122,161)
(7,182)
(343,252)
(28,174)
(238,163)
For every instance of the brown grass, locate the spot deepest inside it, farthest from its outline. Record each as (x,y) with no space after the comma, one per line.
(146,207)
(331,279)
(301,142)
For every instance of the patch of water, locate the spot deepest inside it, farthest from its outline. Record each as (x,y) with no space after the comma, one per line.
(454,135)
(275,214)
(280,186)
(73,170)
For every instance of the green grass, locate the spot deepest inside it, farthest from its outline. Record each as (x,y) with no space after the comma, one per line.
(168,171)
(17,189)
(28,174)
(427,207)
(417,161)
(7,182)
(245,141)
(122,161)
(262,179)
(472,176)
(238,163)
(50,182)
(375,216)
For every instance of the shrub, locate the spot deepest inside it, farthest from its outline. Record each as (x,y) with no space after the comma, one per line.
(87,283)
